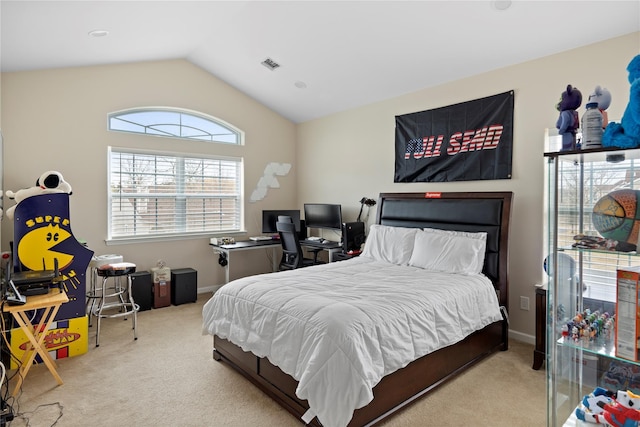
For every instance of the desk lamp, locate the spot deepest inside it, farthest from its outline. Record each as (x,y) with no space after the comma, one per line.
(365,201)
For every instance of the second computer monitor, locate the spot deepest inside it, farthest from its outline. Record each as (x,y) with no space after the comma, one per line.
(323,215)
(269,219)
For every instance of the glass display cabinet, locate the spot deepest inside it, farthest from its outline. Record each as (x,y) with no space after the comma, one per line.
(591,263)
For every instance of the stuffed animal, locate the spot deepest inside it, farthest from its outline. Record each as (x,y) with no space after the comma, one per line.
(603,97)
(626,134)
(568,121)
(49,182)
(622,412)
(592,411)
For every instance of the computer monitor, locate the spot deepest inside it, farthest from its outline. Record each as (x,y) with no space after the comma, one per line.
(323,215)
(270,217)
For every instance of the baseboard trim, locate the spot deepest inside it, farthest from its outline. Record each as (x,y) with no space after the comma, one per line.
(209,289)
(519,336)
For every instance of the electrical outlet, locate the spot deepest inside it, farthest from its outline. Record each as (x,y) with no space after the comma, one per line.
(524,303)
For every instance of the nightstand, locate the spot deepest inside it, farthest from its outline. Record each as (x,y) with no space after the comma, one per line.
(540,350)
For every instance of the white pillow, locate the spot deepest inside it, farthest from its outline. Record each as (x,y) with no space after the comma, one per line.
(449,251)
(390,244)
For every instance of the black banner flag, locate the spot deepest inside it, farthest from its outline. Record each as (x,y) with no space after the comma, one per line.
(469,141)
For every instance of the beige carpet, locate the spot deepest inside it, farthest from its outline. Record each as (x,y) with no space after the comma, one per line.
(169,378)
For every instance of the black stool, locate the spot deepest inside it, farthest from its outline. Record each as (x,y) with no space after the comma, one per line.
(94,294)
(118,296)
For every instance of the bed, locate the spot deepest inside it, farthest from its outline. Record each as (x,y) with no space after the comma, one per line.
(335,345)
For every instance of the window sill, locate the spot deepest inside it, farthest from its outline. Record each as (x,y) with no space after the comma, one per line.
(172,237)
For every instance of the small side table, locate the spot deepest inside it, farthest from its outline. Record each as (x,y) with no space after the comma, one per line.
(540,350)
(51,303)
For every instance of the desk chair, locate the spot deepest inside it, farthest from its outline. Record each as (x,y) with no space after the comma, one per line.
(292,255)
(285,218)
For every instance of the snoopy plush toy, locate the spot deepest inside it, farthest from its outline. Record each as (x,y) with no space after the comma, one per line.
(48,183)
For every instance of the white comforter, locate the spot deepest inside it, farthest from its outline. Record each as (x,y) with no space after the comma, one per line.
(338,328)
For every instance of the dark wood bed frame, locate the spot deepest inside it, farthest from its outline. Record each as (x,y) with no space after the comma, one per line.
(480,211)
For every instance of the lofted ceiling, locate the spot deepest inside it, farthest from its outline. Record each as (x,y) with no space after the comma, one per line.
(333,55)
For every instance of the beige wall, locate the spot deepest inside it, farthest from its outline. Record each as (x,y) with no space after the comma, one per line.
(357,146)
(57,120)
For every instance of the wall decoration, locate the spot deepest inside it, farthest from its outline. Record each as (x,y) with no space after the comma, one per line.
(269,179)
(463,142)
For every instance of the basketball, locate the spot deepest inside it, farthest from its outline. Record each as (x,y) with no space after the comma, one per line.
(615,216)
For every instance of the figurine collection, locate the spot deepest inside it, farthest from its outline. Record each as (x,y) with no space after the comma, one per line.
(589,325)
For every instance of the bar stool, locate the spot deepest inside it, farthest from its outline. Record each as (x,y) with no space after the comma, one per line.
(94,294)
(116,300)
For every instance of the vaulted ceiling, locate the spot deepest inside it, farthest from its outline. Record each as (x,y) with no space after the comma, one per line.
(332,55)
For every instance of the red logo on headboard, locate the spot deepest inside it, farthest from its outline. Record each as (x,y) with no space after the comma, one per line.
(432,195)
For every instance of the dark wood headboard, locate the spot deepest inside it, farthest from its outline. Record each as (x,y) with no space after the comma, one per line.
(476,212)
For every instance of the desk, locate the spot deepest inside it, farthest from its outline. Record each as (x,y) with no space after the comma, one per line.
(329,246)
(247,245)
(274,244)
(50,302)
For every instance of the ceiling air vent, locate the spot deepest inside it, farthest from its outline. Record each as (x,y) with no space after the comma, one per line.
(270,64)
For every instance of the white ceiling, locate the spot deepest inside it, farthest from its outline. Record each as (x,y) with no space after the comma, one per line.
(347,53)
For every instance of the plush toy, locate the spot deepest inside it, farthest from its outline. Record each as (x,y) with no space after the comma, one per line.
(626,134)
(49,182)
(622,412)
(592,411)
(603,97)
(568,121)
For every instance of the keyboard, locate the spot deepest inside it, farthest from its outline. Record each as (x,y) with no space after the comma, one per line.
(260,238)
(319,241)
(313,238)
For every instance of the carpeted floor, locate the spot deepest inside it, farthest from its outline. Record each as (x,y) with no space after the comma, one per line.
(169,378)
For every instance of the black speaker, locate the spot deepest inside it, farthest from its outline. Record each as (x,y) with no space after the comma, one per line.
(142,289)
(302,235)
(184,285)
(352,236)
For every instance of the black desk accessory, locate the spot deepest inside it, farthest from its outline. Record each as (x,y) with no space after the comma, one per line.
(36,282)
(13,295)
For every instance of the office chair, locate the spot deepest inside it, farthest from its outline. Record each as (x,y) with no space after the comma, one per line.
(292,255)
(315,251)
(285,218)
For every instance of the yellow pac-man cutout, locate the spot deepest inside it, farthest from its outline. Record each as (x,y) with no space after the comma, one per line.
(34,249)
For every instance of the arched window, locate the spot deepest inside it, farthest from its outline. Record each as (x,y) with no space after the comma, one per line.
(154,194)
(174,123)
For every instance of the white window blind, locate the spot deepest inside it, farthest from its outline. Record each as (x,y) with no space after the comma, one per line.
(155,195)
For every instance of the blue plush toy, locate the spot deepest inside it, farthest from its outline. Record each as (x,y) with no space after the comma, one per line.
(626,134)
(568,122)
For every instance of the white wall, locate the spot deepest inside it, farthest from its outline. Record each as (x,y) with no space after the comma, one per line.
(357,146)
(57,120)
